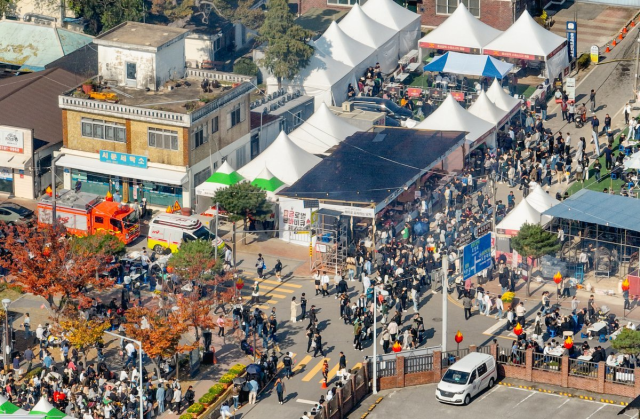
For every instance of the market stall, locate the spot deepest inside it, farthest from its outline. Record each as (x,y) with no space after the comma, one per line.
(223,177)
(488,111)
(392,15)
(269,183)
(341,47)
(503,100)
(469,64)
(528,41)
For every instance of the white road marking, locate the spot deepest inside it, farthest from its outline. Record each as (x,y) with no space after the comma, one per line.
(489,392)
(523,400)
(306,401)
(495,327)
(565,402)
(600,408)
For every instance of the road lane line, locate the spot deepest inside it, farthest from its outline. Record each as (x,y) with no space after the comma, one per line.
(281,365)
(306,401)
(600,408)
(332,373)
(314,370)
(523,400)
(303,363)
(286,284)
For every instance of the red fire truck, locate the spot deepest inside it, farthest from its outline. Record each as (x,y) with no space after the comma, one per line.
(85,213)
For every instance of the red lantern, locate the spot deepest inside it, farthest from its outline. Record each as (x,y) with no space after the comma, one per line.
(557,278)
(169,269)
(568,343)
(49,191)
(239,284)
(108,197)
(396,347)
(458,337)
(518,329)
(625,284)
(46,251)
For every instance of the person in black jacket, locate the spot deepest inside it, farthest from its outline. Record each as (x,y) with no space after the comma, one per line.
(189,397)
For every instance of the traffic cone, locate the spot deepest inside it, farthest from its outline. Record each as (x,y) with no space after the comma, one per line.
(633,24)
(620,37)
(614,43)
(624,30)
(607,50)
(324,384)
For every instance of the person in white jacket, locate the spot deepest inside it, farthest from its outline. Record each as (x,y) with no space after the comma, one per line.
(487,304)
(499,307)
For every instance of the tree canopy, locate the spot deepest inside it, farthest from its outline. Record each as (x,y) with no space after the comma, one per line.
(244,200)
(239,11)
(103,15)
(287,51)
(627,342)
(532,241)
(195,261)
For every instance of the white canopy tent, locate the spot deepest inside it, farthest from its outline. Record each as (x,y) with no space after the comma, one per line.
(502,99)
(283,158)
(392,15)
(487,110)
(382,39)
(527,40)
(539,199)
(322,131)
(341,47)
(221,178)
(461,32)
(324,78)
(450,116)
(523,213)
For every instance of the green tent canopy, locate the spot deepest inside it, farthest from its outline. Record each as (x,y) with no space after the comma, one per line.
(223,177)
(267,181)
(43,407)
(8,408)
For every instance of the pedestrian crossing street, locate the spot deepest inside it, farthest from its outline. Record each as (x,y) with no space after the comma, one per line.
(271,291)
(302,366)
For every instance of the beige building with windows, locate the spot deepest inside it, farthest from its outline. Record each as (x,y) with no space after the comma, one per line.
(151,129)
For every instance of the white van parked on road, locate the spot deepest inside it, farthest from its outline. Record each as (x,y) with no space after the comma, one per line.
(466,378)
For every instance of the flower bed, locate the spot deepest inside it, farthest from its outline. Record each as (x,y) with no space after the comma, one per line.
(216,394)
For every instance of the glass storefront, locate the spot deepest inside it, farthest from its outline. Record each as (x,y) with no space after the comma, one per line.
(157,194)
(6,180)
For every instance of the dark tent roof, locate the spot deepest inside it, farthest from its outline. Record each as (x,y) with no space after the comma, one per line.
(368,167)
(599,208)
(634,404)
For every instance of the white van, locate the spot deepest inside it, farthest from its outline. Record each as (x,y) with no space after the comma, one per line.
(168,231)
(466,378)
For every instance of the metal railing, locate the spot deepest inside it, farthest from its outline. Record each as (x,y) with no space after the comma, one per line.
(219,102)
(450,357)
(547,362)
(620,375)
(515,357)
(418,364)
(385,368)
(579,368)
(484,349)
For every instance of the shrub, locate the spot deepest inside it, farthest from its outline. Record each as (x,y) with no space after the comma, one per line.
(216,390)
(226,379)
(583,61)
(196,408)
(186,416)
(207,398)
(237,369)
(508,297)
(246,67)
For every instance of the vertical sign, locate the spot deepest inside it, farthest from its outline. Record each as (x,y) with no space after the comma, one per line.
(570,88)
(572,39)
(595,54)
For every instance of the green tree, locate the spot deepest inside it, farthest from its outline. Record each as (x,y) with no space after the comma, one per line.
(244,200)
(6,6)
(627,342)
(195,261)
(239,11)
(287,51)
(246,67)
(104,15)
(532,241)
(102,243)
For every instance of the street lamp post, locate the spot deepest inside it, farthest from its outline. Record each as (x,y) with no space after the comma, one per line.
(137,342)
(7,346)
(445,280)
(375,339)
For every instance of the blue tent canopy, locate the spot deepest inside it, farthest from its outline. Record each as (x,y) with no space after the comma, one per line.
(469,64)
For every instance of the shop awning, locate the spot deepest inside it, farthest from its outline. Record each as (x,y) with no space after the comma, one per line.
(13,161)
(152,174)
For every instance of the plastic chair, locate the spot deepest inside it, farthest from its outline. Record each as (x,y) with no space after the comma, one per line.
(584,335)
(602,338)
(614,176)
(551,332)
(620,147)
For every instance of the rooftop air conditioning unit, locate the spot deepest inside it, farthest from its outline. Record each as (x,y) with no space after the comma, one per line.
(347,106)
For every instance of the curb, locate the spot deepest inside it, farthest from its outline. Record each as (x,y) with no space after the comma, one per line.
(373,406)
(560,393)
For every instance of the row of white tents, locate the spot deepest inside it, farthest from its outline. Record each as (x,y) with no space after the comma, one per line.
(528,211)
(525,40)
(381,31)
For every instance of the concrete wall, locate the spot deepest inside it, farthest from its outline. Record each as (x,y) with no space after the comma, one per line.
(170,62)
(112,66)
(199,48)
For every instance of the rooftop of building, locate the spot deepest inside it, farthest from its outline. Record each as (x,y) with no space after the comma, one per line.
(140,34)
(258,119)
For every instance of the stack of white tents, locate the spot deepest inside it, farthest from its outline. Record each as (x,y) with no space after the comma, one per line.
(502,100)
(528,211)
(382,31)
(487,110)
(322,131)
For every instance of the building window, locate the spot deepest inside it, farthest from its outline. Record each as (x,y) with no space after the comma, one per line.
(447,7)
(236,115)
(201,176)
(163,138)
(343,2)
(214,125)
(200,136)
(104,130)
(297,118)
(241,159)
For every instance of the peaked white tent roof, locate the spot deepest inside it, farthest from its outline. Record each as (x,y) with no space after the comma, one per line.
(221,178)
(487,110)
(392,15)
(358,25)
(321,131)
(525,39)
(461,32)
(539,199)
(284,159)
(341,47)
(450,116)
(269,183)
(523,213)
(502,99)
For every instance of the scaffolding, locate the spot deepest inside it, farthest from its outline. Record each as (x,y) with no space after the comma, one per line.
(330,232)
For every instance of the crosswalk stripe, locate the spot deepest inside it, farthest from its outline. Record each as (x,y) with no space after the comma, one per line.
(357,366)
(286,284)
(332,373)
(281,365)
(248,296)
(267,290)
(315,369)
(303,363)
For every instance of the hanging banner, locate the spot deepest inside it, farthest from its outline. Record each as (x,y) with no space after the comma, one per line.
(572,39)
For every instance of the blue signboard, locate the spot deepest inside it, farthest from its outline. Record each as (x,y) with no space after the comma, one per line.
(123,159)
(476,256)
(572,39)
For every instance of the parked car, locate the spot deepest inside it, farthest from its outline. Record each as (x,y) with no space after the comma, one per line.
(378,104)
(466,378)
(12,213)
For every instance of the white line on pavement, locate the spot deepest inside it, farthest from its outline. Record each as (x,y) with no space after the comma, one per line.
(495,327)
(489,392)
(306,401)
(565,402)
(522,401)
(600,408)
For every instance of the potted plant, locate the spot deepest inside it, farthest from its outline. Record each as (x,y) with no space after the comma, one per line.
(226,379)
(507,299)
(88,86)
(217,390)
(185,416)
(237,370)
(195,409)
(207,399)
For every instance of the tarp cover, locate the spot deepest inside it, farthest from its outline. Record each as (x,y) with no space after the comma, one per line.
(469,64)
(283,158)
(322,131)
(502,99)
(461,32)
(599,208)
(392,15)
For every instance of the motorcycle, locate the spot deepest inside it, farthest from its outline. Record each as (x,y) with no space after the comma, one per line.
(581,117)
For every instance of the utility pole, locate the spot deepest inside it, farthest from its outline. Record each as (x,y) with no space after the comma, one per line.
(445,281)
(635,82)
(234,244)
(216,232)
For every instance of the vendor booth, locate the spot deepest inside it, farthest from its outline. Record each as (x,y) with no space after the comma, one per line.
(461,32)
(526,40)
(269,183)
(503,100)
(470,65)
(485,109)
(283,158)
(322,131)
(451,116)
(223,177)
(341,47)
(392,15)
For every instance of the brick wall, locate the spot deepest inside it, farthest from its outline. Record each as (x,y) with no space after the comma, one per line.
(496,13)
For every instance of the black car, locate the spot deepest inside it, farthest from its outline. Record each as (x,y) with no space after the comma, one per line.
(378,104)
